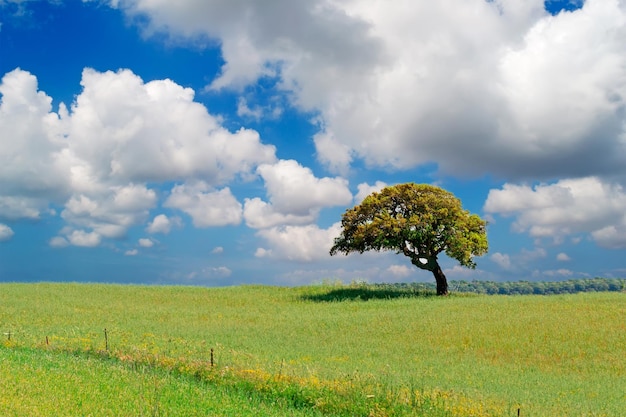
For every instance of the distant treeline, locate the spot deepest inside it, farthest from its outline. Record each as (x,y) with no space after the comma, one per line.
(521,287)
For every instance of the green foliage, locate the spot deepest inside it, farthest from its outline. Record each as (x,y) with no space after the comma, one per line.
(417,220)
(571,286)
(361,291)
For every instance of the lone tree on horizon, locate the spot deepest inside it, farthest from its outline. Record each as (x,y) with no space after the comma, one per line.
(417,220)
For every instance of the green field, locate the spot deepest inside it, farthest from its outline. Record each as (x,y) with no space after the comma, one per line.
(290,352)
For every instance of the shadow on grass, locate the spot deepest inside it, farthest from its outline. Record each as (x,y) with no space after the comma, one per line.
(365,293)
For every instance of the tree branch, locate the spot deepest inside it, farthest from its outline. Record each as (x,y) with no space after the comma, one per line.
(416,258)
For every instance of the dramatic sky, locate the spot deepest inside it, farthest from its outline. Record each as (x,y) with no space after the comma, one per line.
(218,142)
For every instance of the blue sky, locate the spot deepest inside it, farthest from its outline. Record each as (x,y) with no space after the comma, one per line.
(219,142)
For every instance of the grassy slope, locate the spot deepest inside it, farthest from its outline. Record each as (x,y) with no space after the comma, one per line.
(42,383)
(547,355)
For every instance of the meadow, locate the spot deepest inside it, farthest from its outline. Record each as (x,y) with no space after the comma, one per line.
(307,351)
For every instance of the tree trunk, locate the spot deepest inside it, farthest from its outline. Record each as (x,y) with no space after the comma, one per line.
(440,278)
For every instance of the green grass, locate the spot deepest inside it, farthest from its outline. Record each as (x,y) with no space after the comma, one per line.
(295,351)
(43,383)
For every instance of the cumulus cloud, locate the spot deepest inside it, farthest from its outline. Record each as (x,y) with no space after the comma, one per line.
(567,207)
(400,271)
(163,224)
(18,206)
(243,110)
(298,243)
(6,233)
(221,271)
(503,260)
(482,86)
(96,158)
(563,257)
(146,243)
(555,273)
(85,239)
(134,131)
(260,215)
(294,189)
(32,172)
(365,189)
(111,212)
(521,263)
(295,195)
(335,155)
(210,272)
(206,206)
(131,252)
(58,242)
(459,272)
(613,237)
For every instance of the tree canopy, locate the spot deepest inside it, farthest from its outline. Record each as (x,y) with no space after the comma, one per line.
(417,220)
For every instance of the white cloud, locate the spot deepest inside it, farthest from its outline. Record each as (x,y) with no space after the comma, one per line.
(295,195)
(85,239)
(503,260)
(134,131)
(221,271)
(400,271)
(520,263)
(294,189)
(112,211)
(244,111)
(58,242)
(612,237)
(6,233)
(563,257)
(21,207)
(96,158)
(261,215)
(556,273)
(32,171)
(217,250)
(364,189)
(146,243)
(207,207)
(131,252)
(479,86)
(263,253)
(298,243)
(567,207)
(458,272)
(208,273)
(163,224)
(335,155)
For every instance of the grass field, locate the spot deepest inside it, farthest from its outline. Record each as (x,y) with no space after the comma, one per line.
(291,351)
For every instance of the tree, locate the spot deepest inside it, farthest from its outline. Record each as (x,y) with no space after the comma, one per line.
(417,220)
